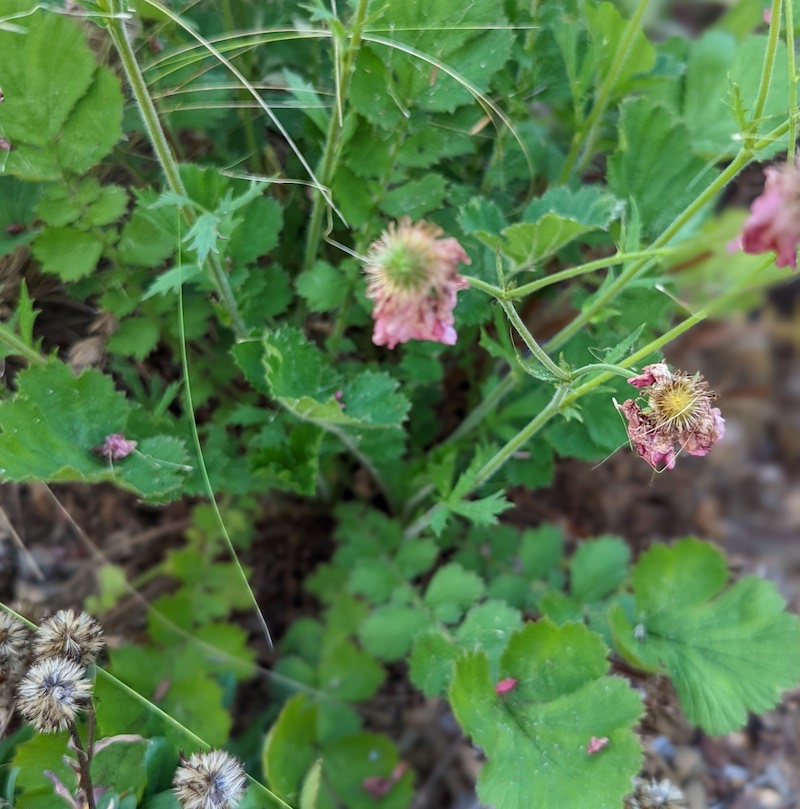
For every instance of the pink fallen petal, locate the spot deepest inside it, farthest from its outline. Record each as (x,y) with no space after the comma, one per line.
(505,685)
(115,447)
(596,745)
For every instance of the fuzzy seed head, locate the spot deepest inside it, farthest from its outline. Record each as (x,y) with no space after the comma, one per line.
(50,695)
(75,636)
(14,640)
(212,780)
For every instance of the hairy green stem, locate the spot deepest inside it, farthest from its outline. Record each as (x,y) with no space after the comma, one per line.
(769,63)
(792,69)
(497,460)
(602,300)
(19,347)
(84,766)
(584,269)
(533,346)
(563,397)
(332,152)
(166,159)
(595,117)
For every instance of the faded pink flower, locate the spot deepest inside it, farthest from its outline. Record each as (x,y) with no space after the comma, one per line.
(677,410)
(413,279)
(774,221)
(505,685)
(115,447)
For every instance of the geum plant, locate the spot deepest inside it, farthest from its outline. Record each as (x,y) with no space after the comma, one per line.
(271,210)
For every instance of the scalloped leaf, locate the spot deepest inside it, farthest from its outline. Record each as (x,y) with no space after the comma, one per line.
(536,733)
(55,421)
(728,650)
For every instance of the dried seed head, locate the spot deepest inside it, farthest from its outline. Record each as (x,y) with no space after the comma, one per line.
(50,695)
(654,795)
(75,636)
(212,780)
(412,275)
(14,640)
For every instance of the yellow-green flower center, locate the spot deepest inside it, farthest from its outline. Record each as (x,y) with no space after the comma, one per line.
(677,403)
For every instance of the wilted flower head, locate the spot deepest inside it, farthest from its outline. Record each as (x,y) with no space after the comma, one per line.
(115,447)
(677,410)
(774,221)
(14,638)
(413,279)
(654,795)
(75,636)
(212,780)
(52,692)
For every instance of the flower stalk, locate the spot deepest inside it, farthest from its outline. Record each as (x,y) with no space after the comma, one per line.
(158,140)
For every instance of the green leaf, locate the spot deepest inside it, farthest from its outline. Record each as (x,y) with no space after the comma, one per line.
(94,126)
(728,650)
(483,511)
(311,785)
(486,627)
(654,164)
(68,253)
(349,761)
(451,591)
(388,632)
(306,387)
(44,752)
(539,731)
(557,218)
(416,197)
(718,71)
(288,750)
(322,287)
(541,550)
(136,337)
(196,702)
(118,767)
(597,568)
(607,30)
(70,417)
(149,236)
(258,231)
(17,211)
(347,673)
(457,34)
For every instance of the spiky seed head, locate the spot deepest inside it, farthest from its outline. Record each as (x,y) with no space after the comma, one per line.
(52,693)
(209,780)
(14,640)
(73,635)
